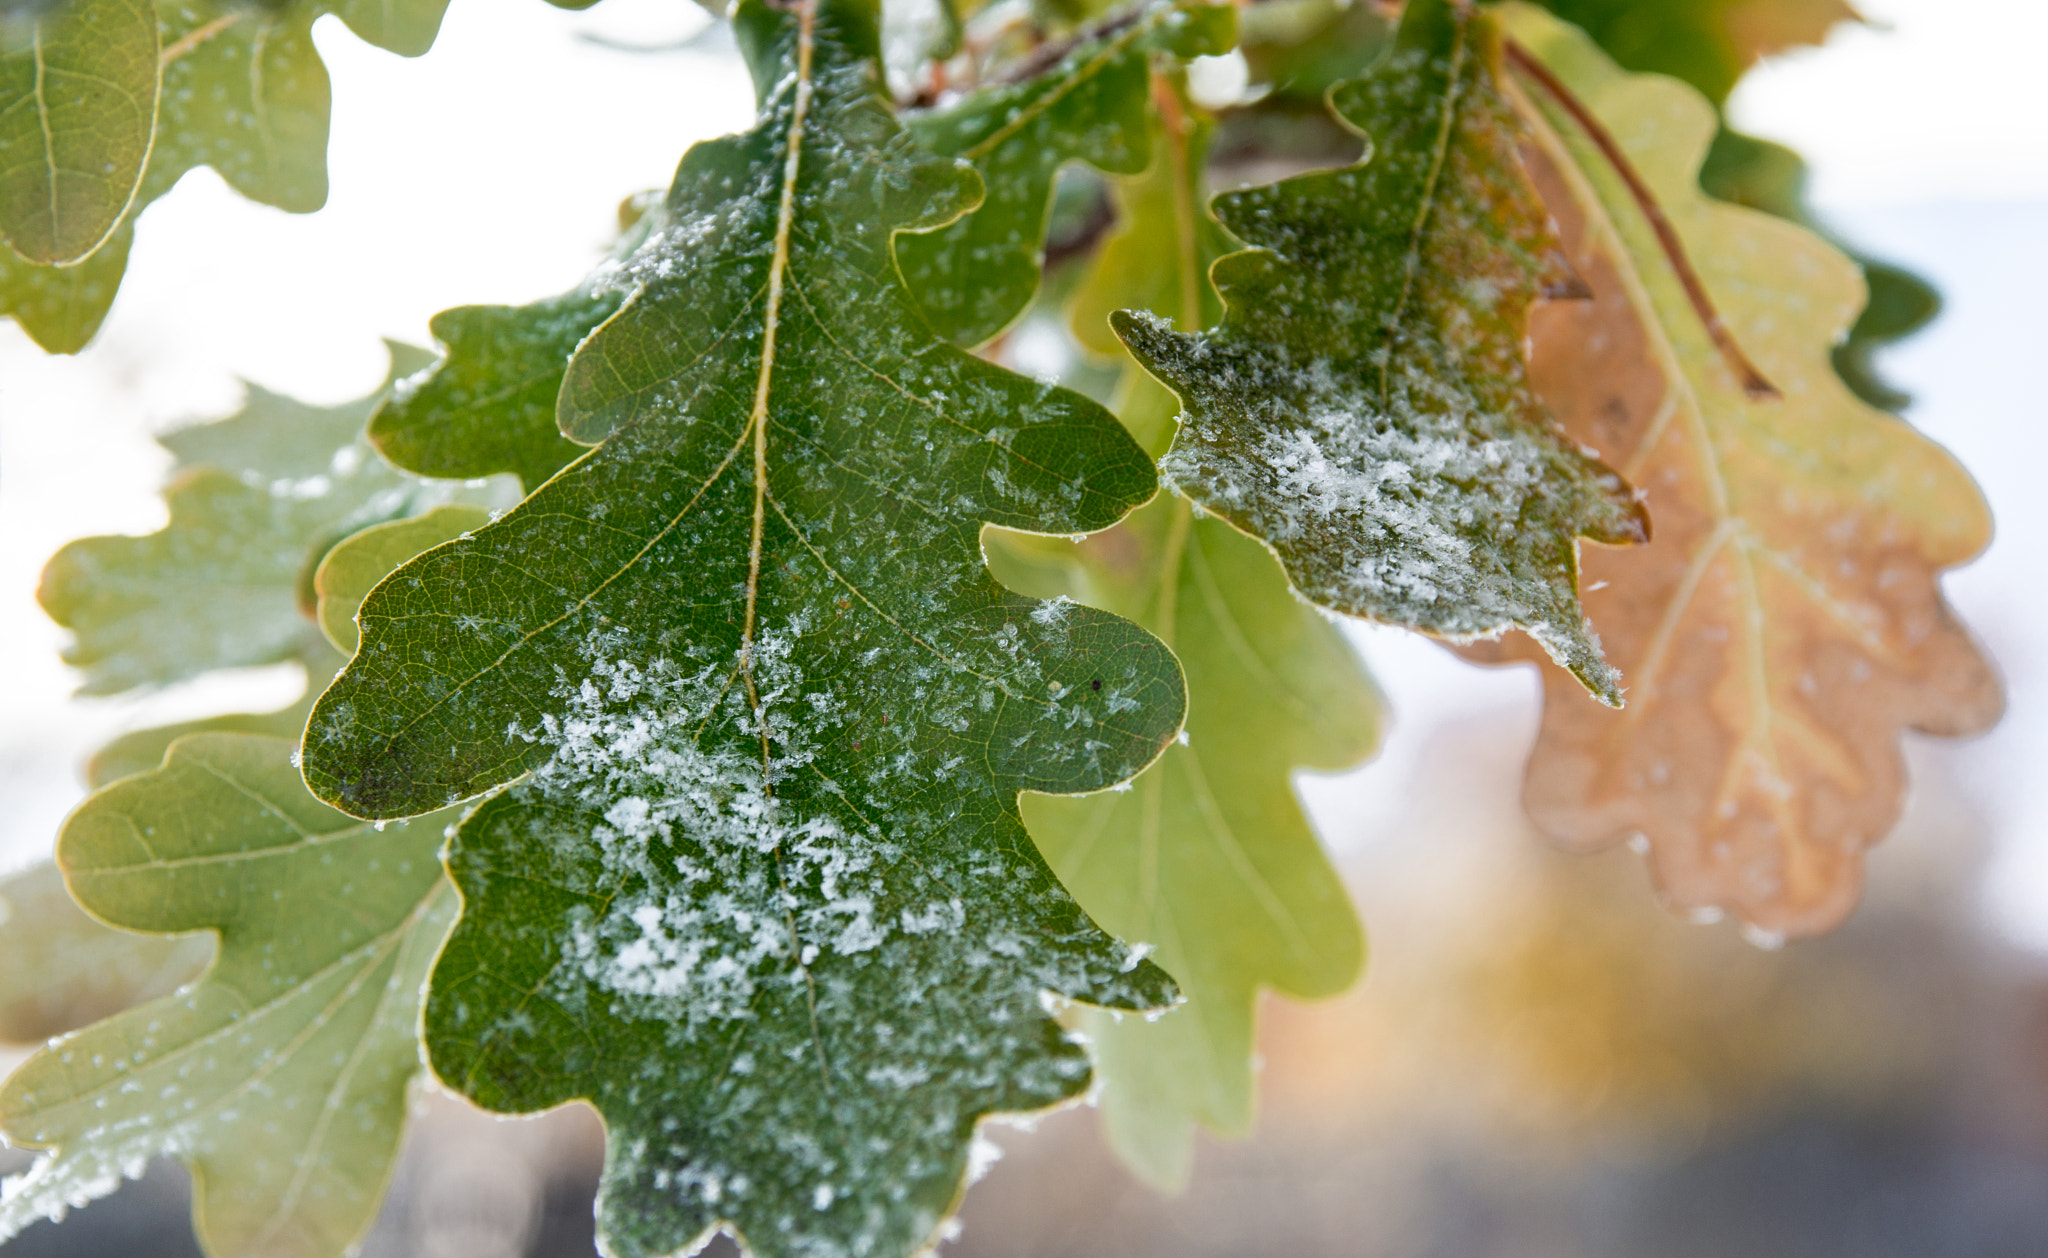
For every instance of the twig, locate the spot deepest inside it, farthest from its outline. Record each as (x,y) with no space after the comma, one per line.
(1754,383)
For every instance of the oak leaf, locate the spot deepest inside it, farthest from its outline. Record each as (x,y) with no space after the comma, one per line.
(1083,100)
(1207,856)
(242,90)
(763,895)
(1363,407)
(78,103)
(281,1077)
(1786,624)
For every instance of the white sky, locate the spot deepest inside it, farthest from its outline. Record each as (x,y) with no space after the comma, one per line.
(490,170)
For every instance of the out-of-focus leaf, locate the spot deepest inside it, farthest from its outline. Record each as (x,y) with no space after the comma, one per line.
(1166,239)
(1786,624)
(64,969)
(1303,48)
(228,583)
(139,751)
(1772,178)
(280,1077)
(1363,407)
(764,896)
(243,91)
(78,100)
(974,276)
(355,565)
(1707,43)
(1207,856)
(61,307)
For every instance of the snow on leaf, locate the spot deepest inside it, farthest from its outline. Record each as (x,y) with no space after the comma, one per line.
(974,276)
(1208,856)
(1363,407)
(489,405)
(355,565)
(764,896)
(64,969)
(78,100)
(1786,624)
(228,582)
(281,1076)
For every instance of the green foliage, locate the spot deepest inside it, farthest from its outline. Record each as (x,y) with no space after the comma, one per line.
(80,87)
(845,730)
(65,970)
(778,920)
(354,566)
(1207,854)
(235,86)
(281,1077)
(1363,407)
(974,276)
(228,582)
(489,405)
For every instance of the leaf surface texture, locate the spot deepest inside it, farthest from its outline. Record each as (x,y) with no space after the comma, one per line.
(1363,408)
(281,1077)
(1786,624)
(765,898)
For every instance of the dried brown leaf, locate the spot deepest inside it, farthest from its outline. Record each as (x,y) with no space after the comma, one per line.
(1785,624)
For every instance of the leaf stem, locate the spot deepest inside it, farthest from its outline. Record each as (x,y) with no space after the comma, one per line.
(1754,383)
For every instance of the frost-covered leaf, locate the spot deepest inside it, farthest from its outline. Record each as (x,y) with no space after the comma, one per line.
(1208,856)
(1363,407)
(1786,624)
(489,405)
(64,969)
(78,99)
(228,582)
(357,563)
(281,1076)
(977,274)
(765,898)
(243,91)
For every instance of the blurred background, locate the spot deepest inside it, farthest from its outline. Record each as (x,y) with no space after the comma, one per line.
(1540,1061)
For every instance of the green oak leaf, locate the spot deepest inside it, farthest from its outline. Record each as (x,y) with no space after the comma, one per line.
(355,565)
(228,582)
(976,275)
(764,897)
(281,1076)
(1208,855)
(141,750)
(78,103)
(243,91)
(61,308)
(1364,407)
(1166,239)
(489,405)
(65,969)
